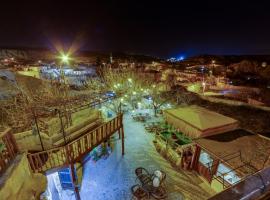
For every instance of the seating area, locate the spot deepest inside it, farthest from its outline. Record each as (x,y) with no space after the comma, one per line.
(141,117)
(150,184)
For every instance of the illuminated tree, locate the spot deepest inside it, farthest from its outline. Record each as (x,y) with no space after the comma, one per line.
(126,84)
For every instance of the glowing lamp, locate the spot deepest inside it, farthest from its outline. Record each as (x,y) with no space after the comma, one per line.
(65,58)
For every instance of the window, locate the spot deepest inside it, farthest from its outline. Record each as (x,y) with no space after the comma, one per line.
(205,159)
(229,175)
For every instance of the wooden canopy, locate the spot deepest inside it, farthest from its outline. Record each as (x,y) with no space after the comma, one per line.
(197,122)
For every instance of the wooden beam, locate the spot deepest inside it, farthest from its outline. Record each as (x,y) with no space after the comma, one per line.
(123,141)
(74,181)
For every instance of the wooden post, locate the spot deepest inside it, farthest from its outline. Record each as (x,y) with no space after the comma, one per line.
(62,126)
(119,133)
(195,158)
(36,123)
(74,181)
(123,141)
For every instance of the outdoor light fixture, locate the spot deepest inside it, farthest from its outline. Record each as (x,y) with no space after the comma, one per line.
(64,58)
(129,80)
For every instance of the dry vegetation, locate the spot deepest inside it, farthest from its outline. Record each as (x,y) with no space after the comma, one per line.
(39,98)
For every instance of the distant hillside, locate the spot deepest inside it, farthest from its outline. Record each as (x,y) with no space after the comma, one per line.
(228,59)
(46,54)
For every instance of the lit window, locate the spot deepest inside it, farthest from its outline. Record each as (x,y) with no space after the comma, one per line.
(229,175)
(205,159)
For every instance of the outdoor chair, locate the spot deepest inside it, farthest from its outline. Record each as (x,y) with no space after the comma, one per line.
(159,193)
(162,181)
(138,192)
(143,175)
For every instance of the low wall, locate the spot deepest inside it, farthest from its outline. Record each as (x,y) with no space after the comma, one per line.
(233,102)
(239,88)
(174,156)
(18,182)
(95,117)
(29,141)
(54,124)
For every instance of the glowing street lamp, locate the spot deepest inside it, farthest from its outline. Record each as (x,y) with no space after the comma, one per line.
(65,58)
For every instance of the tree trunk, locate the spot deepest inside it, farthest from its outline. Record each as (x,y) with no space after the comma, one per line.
(155,110)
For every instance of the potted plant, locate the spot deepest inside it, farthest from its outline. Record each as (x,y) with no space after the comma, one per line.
(2,146)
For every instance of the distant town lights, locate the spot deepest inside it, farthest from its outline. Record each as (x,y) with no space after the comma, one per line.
(181,58)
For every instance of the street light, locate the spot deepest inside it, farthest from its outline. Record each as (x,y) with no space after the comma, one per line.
(65,58)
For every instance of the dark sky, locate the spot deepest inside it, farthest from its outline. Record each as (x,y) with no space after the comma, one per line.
(162,28)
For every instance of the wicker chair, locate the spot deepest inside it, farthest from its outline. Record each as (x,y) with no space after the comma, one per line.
(159,193)
(143,175)
(138,192)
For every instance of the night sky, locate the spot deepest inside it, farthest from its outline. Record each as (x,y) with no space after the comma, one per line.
(161,28)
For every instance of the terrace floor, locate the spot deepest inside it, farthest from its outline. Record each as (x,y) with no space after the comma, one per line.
(112,178)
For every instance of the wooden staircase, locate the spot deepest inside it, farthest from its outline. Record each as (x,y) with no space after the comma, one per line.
(74,151)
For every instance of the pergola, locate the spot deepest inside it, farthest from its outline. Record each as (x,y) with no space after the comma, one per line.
(196,122)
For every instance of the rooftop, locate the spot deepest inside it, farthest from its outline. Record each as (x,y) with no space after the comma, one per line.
(253,148)
(201,118)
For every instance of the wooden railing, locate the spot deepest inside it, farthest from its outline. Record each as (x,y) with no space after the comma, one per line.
(8,149)
(75,150)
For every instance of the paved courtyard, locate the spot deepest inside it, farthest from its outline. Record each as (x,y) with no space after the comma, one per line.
(111,178)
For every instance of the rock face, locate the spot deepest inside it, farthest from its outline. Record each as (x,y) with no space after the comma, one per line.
(18,181)
(244,66)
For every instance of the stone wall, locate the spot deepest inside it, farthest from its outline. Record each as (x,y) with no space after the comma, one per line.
(19,183)
(233,102)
